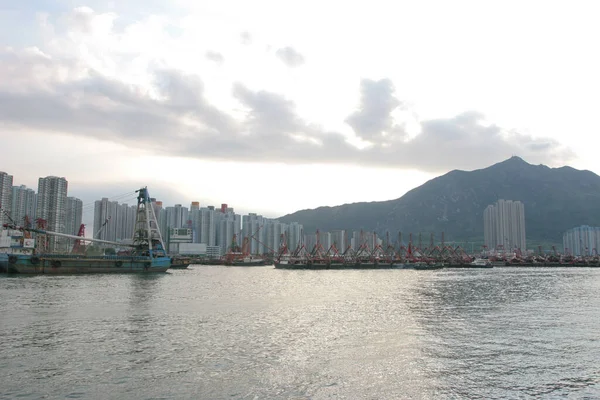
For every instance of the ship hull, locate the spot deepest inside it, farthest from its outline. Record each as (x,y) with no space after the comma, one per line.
(261,263)
(333,265)
(71,264)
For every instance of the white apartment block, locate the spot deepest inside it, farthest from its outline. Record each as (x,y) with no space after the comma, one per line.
(252,227)
(204,225)
(229,225)
(23,204)
(177,216)
(52,207)
(582,241)
(504,225)
(74,215)
(113,221)
(6,183)
(338,239)
(294,236)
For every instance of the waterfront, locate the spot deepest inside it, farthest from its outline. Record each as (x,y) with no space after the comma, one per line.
(215,332)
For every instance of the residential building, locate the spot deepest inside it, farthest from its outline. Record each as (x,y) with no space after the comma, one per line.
(582,241)
(74,215)
(338,239)
(252,227)
(52,207)
(294,236)
(504,226)
(113,221)
(23,204)
(194,217)
(229,226)
(205,226)
(177,217)
(6,183)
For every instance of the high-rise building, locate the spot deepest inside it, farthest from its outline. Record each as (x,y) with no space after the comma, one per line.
(229,225)
(338,239)
(207,226)
(294,236)
(52,207)
(177,217)
(126,216)
(582,241)
(23,204)
(504,225)
(113,221)
(273,230)
(74,215)
(6,183)
(252,225)
(325,240)
(104,227)
(194,217)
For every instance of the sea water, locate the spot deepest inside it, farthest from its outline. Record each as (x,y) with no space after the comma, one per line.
(214,332)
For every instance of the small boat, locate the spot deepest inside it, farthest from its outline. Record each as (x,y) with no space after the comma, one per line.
(178,262)
(480,263)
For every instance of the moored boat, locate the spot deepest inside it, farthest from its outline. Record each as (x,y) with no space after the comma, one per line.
(248,262)
(179,262)
(147,251)
(480,263)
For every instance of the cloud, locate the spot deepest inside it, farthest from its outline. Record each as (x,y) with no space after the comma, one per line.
(215,56)
(246,38)
(47,90)
(373,119)
(290,56)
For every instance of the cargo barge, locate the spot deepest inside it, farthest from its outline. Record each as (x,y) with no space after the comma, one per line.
(147,251)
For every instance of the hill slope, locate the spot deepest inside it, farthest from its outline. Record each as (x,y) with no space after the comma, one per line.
(555,199)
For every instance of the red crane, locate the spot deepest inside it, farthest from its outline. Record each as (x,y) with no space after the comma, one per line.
(79,246)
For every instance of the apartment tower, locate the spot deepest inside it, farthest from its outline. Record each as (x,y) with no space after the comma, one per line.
(504,225)
(6,182)
(23,204)
(52,207)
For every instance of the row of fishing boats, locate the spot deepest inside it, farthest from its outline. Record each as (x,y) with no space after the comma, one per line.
(289,262)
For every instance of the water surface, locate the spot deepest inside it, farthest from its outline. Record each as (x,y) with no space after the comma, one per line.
(213,332)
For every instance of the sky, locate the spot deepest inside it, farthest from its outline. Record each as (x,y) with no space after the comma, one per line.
(274,107)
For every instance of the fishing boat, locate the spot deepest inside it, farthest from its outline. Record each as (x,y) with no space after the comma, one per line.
(247,261)
(480,263)
(178,262)
(147,252)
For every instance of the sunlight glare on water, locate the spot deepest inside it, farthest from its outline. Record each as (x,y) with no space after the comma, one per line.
(216,332)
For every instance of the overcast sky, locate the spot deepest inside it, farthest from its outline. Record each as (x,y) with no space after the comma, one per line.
(276,106)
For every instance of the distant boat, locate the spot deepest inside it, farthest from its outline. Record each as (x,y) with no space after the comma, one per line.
(147,254)
(480,263)
(247,261)
(178,262)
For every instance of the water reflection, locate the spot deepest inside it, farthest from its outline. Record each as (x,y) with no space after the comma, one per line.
(493,333)
(144,288)
(216,333)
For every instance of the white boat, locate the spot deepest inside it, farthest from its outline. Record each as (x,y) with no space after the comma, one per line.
(481,263)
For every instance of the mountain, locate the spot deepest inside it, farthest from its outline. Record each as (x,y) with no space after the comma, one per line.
(555,199)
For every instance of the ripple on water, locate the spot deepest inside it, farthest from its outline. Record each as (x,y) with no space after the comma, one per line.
(216,332)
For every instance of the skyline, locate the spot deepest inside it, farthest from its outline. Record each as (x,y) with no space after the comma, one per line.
(251,106)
